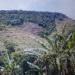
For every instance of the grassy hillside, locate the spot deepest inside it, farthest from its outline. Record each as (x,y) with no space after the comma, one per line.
(20,37)
(24,27)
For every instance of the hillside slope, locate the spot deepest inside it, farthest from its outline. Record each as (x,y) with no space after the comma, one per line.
(21,37)
(49,21)
(24,27)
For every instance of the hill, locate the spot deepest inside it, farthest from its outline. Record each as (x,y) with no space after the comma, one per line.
(24,27)
(47,20)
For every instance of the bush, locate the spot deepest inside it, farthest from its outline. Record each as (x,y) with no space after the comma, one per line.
(10,46)
(2,27)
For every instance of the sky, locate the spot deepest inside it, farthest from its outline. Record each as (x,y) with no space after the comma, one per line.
(63,6)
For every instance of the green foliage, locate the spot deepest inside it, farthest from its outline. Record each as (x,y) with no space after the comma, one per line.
(2,27)
(9,46)
(44,19)
(11,65)
(71,41)
(59,50)
(60,47)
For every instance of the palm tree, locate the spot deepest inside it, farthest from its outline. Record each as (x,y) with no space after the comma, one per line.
(60,46)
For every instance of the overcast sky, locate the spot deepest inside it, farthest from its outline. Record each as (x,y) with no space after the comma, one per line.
(64,6)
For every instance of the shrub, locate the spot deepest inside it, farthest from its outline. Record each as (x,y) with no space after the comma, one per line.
(2,27)
(10,46)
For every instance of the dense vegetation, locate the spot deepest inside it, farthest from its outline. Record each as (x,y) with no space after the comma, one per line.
(43,19)
(58,58)
(55,56)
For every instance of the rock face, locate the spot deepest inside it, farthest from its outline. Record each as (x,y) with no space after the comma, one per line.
(37,22)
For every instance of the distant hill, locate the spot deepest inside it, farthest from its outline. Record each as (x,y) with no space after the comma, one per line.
(47,22)
(24,27)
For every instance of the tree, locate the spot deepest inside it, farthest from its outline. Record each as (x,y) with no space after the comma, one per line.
(59,46)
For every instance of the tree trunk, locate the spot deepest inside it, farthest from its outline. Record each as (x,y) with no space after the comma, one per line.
(47,68)
(55,68)
(69,67)
(62,69)
(58,66)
